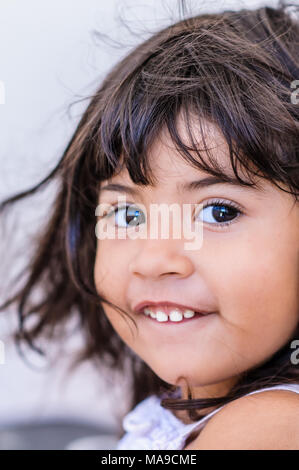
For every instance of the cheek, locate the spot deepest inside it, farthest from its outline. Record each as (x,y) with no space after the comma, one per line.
(109,276)
(256,281)
(110,265)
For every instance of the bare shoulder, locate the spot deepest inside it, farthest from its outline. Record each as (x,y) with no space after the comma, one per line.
(262,421)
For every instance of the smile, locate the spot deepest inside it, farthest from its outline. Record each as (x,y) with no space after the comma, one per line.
(175,315)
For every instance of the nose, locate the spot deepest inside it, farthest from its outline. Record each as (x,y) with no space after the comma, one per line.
(160,258)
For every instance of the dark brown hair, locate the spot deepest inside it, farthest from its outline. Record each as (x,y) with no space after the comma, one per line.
(234,69)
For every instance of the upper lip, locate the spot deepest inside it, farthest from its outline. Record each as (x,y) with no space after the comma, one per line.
(148,303)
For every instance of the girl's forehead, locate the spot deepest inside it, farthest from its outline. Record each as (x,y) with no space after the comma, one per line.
(168,167)
(166,162)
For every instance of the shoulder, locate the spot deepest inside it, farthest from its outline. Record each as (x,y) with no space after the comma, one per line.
(264,420)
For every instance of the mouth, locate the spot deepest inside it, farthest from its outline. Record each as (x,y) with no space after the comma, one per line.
(179,321)
(169,313)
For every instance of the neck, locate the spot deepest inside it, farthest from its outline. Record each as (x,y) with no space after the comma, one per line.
(202,392)
(211,390)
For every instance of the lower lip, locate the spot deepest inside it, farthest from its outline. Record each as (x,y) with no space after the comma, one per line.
(169,323)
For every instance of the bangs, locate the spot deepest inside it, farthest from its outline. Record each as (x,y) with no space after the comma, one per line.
(202,78)
(131,148)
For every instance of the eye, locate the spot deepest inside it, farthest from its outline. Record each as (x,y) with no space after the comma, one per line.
(127,214)
(223,212)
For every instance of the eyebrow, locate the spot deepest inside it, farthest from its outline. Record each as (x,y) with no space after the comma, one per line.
(186,186)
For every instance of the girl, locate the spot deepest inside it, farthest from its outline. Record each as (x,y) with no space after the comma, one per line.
(204,112)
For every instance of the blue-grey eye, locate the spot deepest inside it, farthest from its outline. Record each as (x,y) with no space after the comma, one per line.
(130,215)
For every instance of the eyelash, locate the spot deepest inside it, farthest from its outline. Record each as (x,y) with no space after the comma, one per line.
(216,202)
(223,203)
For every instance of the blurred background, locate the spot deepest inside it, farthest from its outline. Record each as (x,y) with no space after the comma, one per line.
(53,55)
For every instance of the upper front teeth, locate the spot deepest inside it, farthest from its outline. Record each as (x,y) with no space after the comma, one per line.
(175,314)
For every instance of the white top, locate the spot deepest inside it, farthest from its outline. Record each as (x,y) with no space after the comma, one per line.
(151,426)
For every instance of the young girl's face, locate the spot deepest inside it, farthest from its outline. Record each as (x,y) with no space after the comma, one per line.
(246,272)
